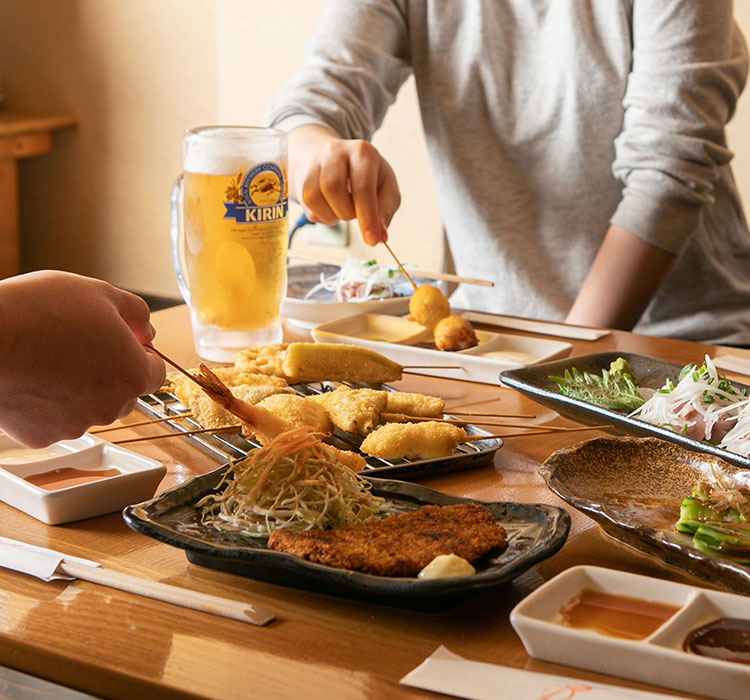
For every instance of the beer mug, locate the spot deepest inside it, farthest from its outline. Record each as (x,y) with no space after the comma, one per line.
(230,233)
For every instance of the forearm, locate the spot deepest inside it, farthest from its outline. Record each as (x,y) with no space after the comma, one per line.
(623,279)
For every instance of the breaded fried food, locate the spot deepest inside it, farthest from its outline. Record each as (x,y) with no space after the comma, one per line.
(186,389)
(353,410)
(428,305)
(399,545)
(427,440)
(318,362)
(210,415)
(454,333)
(415,404)
(262,359)
(299,411)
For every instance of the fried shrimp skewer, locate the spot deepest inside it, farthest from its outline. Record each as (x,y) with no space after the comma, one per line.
(255,420)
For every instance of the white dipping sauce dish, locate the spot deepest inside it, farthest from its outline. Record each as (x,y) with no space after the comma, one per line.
(136,480)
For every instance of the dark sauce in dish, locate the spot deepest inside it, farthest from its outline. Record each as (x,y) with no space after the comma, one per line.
(616,615)
(69,476)
(727,639)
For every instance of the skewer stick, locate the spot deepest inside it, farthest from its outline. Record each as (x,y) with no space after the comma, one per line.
(173,363)
(476,438)
(407,367)
(176,416)
(489,415)
(404,418)
(179,433)
(400,266)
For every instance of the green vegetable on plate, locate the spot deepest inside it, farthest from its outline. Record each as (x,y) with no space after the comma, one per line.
(614,389)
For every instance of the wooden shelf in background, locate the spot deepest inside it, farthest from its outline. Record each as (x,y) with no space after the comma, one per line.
(22,135)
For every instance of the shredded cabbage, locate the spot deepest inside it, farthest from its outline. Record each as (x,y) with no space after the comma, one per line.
(359,280)
(295,482)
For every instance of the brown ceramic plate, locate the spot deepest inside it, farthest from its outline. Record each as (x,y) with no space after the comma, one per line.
(633,488)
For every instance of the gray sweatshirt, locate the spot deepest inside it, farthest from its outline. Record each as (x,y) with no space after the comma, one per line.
(547,120)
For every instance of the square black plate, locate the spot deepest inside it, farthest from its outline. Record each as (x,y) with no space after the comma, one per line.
(535,531)
(648,373)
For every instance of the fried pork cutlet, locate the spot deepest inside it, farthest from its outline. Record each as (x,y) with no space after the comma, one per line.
(399,545)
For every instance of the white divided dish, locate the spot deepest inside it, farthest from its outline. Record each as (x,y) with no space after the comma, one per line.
(136,481)
(402,340)
(658,659)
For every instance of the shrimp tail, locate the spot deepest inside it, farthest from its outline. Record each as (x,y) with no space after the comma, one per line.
(255,419)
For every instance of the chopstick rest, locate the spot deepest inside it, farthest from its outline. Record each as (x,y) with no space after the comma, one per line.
(48,565)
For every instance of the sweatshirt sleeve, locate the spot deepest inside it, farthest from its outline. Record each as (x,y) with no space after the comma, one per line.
(352,69)
(689,67)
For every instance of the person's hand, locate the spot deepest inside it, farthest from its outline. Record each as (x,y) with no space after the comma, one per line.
(336,179)
(72,355)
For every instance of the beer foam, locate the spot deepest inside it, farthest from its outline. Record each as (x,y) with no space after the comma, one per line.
(225,151)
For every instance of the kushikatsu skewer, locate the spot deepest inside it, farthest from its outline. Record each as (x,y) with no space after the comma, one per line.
(110,428)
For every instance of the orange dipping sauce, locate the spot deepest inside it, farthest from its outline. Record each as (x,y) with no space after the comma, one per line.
(69,476)
(615,615)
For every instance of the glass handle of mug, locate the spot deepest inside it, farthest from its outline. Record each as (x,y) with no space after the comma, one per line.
(177,234)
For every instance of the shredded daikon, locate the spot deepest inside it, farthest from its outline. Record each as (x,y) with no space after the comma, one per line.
(295,482)
(359,280)
(696,404)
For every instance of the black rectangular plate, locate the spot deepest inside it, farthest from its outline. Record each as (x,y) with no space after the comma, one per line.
(535,531)
(536,384)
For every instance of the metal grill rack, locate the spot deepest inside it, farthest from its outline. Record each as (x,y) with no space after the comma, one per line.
(230,447)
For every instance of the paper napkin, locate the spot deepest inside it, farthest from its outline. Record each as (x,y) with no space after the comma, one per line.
(448,673)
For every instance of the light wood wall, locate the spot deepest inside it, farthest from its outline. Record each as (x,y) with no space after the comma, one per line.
(137,73)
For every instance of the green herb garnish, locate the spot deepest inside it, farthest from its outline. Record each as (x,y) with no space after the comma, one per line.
(614,389)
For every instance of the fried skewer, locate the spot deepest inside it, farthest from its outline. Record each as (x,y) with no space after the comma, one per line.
(255,420)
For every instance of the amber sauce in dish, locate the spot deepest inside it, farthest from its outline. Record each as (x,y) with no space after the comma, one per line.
(727,639)
(616,615)
(69,476)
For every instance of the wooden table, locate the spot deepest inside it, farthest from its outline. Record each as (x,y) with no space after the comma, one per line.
(118,645)
(21,135)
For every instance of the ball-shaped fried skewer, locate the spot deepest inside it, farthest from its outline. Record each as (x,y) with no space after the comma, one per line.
(428,305)
(454,333)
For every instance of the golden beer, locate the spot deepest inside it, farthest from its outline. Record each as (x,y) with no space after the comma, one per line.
(230,252)
(237,272)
